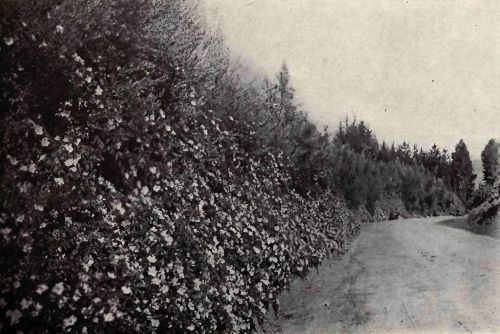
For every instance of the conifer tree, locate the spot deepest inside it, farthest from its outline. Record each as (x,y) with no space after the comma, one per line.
(392,152)
(489,158)
(384,153)
(404,153)
(415,155)
(286,93)
(462,175)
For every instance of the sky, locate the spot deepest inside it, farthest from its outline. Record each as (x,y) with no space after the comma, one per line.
(420,71)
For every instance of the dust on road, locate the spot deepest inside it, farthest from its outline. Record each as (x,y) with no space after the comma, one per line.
(415,275)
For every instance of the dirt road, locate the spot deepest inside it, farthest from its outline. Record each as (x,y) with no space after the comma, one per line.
(415,275)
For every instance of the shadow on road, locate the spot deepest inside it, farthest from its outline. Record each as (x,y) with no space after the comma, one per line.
(490,228)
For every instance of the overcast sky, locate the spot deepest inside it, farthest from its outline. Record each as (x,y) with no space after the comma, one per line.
(420,71)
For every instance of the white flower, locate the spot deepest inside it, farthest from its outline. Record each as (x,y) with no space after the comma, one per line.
(59,29)
(38,207)
(68,148)
(59,180)
(68,322)
(256,250)
(98,90)
(41,289)
(9,41)
(14,316)
(167,238)
(5,231)
(168,128)
(152,271)
(191,328)
(144,190)
(112,276)
(156,281)
(13,161)
(197,283)
(78,59)
(156,188)
(45,142)
(38,130)
(126,290)
(152,258)
(58,288)
(155,323)
(200,206)
(89,263)
(25,304)
(117,205)
(152,169)
(109,317)
(72,162)
(32,168)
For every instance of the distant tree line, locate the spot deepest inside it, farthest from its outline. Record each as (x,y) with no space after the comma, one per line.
(455,171)
(352,161)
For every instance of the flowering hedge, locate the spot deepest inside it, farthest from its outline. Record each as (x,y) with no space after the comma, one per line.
(198,242)
(127,205)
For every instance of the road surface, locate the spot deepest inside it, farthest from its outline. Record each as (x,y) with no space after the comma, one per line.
(405,276)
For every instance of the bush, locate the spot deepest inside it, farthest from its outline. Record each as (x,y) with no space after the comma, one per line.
(127,204)
(486,203)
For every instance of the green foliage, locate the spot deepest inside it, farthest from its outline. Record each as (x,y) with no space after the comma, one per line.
(359,137)
(138,194)
(367,174)
(486,203)
(489,158)
(461,172)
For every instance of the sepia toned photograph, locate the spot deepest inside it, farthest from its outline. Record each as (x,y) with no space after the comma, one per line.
(249,166)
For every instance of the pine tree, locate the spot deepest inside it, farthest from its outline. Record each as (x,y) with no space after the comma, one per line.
(489,158)
(462,175)
(384,154)
(415,156)
(431,161)
(393,153)
(286,93)
(404,153)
